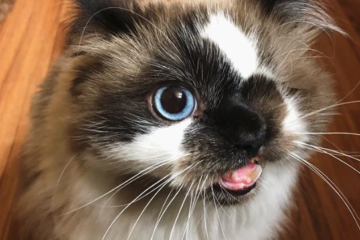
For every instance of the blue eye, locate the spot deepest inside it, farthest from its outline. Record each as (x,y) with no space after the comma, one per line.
(174,102)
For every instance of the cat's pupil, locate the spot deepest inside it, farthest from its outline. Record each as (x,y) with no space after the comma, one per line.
(173,100)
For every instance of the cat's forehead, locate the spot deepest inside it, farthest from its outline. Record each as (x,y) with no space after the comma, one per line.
(212,44)
(208,49)
(239,48)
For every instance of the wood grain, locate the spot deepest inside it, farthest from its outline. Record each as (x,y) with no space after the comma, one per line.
(31,38)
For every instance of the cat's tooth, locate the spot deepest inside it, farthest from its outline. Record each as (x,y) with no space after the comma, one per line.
(255,173)
(234,175)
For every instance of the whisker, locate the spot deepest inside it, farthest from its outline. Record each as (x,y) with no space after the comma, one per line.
(127,206)
(223,189)
(133,178)
(161,214)
(185,233)
(192,207)
(328,133)
(181,207)
(342,161)
(200,192)
(351,92)
(205,214)
(342,151)
(330,150)
(146,206)
(134,200)
(166,199)
(331,184)
(142,197)
(61,176)
(217,213)
(222,208)
(324,109)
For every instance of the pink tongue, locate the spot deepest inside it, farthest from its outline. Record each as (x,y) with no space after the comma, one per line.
(241,178)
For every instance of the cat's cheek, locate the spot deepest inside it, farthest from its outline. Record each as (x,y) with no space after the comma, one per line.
(160,146)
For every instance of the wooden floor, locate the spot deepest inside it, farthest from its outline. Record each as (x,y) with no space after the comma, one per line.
(32,38)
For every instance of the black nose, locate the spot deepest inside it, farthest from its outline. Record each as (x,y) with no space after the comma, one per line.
(250,133)
(242,126)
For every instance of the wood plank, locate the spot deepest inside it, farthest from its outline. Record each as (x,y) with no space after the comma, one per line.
(29,46)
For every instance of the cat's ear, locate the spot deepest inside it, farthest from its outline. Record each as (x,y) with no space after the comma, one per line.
(308,14)
(285,8)
(106,17)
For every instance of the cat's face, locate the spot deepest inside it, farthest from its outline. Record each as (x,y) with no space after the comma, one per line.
(203,98)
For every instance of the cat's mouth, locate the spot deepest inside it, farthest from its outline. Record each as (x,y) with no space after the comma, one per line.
(237,186)
(242,180)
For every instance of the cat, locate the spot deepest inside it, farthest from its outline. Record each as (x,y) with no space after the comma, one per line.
(175,120)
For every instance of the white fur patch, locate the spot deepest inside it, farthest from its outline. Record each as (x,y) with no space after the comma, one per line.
(292,122)
(237,47)
(161,144)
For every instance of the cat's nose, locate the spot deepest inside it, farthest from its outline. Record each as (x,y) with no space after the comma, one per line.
(249,134)
(243,127)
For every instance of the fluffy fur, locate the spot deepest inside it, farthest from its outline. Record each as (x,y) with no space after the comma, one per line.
(99,164)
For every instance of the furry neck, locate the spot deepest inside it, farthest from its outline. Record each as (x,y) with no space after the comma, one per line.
(139,211)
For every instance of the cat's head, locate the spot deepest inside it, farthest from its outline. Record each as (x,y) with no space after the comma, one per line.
(204,95)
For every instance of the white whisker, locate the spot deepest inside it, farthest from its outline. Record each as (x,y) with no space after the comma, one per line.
(328,133)
(181,207)
(342,151)
(161,214)
(146,206)
(223,189)
(133,178)
(331,184)
(352,90)
(342,161)
(192,206)
(140,195)
(205,214)
(58,182)
(330,150)
(324,109)
(217,213)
